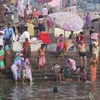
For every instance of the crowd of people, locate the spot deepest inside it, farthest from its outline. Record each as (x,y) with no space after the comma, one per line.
(81,51)
(21,62)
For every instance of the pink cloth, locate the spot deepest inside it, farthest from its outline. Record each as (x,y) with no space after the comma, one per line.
(71,64)
(74,10)
(94,36)
(55,3)
(19,10)
(88,20)
(42,61)
(44,11)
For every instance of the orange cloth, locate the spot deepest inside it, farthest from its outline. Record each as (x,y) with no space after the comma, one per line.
(36,14)
(93,72)
(96,59)
(66,46)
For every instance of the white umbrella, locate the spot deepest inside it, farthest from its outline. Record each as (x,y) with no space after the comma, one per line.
(66,21)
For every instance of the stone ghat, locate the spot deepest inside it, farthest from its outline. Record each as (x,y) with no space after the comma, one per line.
(49,74)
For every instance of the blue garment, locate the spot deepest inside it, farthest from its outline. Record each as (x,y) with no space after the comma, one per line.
(8,32)
(17,57)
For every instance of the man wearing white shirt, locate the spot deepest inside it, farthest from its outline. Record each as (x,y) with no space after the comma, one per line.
(24,35)
(8,35)
(96,16)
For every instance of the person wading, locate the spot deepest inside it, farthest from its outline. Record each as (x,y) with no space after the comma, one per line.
(82,54)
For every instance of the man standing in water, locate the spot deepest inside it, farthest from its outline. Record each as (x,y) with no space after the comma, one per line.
(41,52)
(82,53)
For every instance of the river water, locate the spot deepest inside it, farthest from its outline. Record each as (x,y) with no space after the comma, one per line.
(44,91)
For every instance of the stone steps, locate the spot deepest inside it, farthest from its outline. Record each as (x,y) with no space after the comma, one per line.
(38,79)
(6,80)
(51,59)
(46,73)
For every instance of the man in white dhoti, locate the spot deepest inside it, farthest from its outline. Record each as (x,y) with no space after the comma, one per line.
(16,70)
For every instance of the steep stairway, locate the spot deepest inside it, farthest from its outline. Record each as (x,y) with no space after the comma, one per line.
(49,75)
(51,59)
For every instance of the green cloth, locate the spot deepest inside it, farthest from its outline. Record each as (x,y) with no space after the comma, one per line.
(7,48)
(1,61)
(67,73)
(17,57)
(28,52)
(61,52)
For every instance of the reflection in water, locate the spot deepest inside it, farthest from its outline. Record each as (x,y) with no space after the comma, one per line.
(44,91)
(21,92)
(94,87)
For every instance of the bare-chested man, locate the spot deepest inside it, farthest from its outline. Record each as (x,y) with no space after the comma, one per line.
(82,54)
(41,52)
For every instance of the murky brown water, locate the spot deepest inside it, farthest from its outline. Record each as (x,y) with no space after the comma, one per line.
(44,91)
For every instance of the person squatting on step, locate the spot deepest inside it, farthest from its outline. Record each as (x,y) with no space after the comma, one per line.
(59,73)
(81,73)
(72,64)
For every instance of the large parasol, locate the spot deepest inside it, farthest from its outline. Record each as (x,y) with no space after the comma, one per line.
(66,21)
(43,1)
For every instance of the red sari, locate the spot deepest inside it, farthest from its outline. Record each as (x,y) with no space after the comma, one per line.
(26,49)
(25,15)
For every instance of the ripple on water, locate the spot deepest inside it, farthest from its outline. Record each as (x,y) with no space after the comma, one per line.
(44,91)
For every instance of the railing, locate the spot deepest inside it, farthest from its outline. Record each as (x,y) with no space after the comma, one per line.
(92,7)
(88,6)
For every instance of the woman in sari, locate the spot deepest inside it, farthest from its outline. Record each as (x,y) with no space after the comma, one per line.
(60,49)
(93,68)
(60,46)
(88,20)
(7,56)
(31,26)
(95,48)
(26,49)
(2,67)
